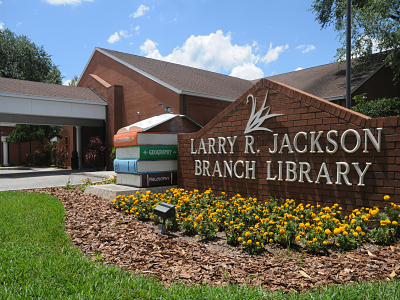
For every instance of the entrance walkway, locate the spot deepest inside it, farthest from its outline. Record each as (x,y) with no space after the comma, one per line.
(13,179)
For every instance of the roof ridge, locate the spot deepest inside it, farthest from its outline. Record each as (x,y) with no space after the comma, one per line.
(229,76)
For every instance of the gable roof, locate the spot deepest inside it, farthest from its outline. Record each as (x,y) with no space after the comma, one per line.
(59,92)
(328,81)
(182,79)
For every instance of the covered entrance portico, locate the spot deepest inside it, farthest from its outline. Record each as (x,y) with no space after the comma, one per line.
(25,102)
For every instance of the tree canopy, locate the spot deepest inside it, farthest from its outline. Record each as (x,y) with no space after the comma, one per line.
(375,28)
(22,59)
(30,133)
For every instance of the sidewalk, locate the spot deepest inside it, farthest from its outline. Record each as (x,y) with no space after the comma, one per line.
(19,178)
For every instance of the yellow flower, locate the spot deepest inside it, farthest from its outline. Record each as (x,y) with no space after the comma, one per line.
(282,231)
(358,228)
(249,242)
(386,198)
(309,242)
(244,242)
(345,233)
(216,229)
(394,223)
(257,218)
(297,238)
(247,233)
(355,234)
(271,240)
(314,240)
(240,239)
(328,232)
(257,243)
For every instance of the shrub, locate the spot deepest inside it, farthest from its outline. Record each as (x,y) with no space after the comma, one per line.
(252,224)
(383,107)
(60,156)
(94,152)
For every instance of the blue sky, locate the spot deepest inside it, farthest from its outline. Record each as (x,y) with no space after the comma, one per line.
(248,39)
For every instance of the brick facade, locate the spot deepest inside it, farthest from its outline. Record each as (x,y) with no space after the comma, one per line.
(128,92)
(301,112)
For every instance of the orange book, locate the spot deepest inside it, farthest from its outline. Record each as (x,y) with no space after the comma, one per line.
(144,138)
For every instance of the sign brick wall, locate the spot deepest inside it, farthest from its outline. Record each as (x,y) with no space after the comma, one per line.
(304,164)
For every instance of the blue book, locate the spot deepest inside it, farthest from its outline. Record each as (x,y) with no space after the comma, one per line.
(137,166)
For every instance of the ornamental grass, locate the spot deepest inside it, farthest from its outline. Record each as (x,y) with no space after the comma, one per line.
(251,224)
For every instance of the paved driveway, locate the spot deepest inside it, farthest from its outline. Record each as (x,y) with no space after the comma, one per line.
(19,179)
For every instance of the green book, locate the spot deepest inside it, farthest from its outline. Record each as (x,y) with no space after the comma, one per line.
(147,152)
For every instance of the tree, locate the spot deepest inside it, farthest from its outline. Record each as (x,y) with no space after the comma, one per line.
(375,28)
(74,81)
(22,59)
(33,133)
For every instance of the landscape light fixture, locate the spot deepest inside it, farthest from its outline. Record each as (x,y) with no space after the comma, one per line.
(165,211)
(167,108)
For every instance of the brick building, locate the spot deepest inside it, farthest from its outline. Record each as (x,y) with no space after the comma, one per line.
(133,87)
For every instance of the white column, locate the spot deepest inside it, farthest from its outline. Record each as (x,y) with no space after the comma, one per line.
(5,150)
(79,144)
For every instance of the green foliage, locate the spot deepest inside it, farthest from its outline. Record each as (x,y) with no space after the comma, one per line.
(113,153)
(375,28)
(22,59)
(37,261)
(383,107)
(30,133)
(74,81)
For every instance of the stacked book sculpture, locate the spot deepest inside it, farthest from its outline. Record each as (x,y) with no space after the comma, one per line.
(145,158)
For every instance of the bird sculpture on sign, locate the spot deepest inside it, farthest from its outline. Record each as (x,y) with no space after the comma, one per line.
(255,120)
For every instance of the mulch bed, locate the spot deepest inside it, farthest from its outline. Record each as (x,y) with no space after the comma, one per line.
(95,227)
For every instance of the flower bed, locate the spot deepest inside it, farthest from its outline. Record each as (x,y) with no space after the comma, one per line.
(251,224)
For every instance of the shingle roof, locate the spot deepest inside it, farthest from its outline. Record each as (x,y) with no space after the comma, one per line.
(186,78)
(327,80)
(23,87)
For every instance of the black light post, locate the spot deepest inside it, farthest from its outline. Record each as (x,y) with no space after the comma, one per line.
(348,56)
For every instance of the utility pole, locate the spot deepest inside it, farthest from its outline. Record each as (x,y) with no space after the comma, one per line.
(348,56)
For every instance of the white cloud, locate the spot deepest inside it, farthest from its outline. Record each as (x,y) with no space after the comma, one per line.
(140,11)
(149,47)
(299,68)
(117,37)
(72,2)
(19,23)
(247,71)
(67,82)
(114,38)
(213,52)
(307,49)
(1,2)
(137,28)
(1,25)
(273,53)
(124,33)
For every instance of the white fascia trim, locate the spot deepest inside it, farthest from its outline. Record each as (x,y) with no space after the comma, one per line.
(52,99)
(172,88)
(210,96)
(334,98)
(140,71)
(7,124)
(370,75)
(84,70)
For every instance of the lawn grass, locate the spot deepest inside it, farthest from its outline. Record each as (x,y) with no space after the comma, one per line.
(38,261)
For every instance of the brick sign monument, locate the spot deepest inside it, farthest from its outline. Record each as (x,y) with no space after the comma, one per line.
(275,140)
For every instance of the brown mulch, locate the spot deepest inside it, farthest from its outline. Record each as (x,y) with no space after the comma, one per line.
(97,228)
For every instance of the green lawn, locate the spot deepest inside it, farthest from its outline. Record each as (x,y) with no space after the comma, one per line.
(37,261)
